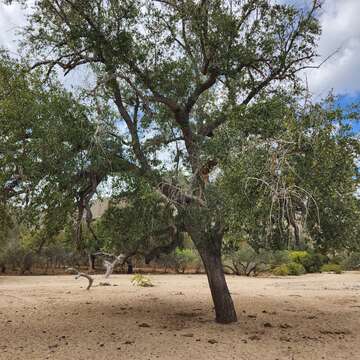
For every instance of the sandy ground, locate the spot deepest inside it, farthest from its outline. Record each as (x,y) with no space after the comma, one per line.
(53,317)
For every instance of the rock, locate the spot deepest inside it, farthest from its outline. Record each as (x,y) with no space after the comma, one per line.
(335,332)
(144,325)
(285,338)
(285,326)
(188,335)
(268,325)
(254,337)
(212,341)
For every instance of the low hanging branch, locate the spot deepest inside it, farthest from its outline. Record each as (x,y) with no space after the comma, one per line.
(81,274)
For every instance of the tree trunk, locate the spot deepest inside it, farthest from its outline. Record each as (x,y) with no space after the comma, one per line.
(224,306)
(91,263)
(3,268)
(297,235)
(129,266)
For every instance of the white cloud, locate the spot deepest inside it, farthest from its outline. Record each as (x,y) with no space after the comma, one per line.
(341,30)
(12,18)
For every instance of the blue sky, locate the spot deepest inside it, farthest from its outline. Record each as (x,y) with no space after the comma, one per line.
(346,100)
(340,33)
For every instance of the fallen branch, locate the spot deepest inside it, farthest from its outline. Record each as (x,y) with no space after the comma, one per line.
(81,274)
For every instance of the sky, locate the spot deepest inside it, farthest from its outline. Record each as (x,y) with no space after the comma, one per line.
(340,20)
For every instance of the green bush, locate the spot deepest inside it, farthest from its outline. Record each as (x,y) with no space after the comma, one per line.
(352,262)
(246,261)
(141,280)
(279,257)
(298,256)
(336,268)
(291,268)
(312,262)
(296,268)
(184,258)
(281,270)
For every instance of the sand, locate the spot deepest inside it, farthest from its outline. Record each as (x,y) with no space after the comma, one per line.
(53,317)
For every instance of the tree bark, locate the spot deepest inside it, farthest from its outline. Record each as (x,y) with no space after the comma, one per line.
(296,235)
(91,263)
(224,306)
(208,241)
(129,266)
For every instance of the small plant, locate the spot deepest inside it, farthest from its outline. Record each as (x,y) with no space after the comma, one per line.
(141,280)
(313,262)
(291,268)
(335,268)
(279,257)
(352,262)
(298,256)
(184,258)
(281,270)
(296,268)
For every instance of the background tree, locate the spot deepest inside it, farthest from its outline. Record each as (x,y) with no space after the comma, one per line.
(49,157)
(139,223)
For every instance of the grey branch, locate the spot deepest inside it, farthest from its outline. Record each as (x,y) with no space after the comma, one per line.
(111,265)
(81,274)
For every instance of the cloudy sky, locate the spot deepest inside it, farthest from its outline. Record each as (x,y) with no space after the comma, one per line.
(340,33)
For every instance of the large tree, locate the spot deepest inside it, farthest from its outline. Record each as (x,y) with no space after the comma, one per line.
(175,70)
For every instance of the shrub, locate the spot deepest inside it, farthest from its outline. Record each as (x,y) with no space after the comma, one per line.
(141,280)
(246,261)
(296,268)
(166,261)
(312,262)
(336,268)
(291,268)
(281,270)
(184,258)
(352,262)
(298,256)
(280,257)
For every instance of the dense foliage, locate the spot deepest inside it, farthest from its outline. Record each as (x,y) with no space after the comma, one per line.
(291,181)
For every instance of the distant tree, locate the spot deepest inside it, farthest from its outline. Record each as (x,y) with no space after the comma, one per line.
(137,223)
(47,148)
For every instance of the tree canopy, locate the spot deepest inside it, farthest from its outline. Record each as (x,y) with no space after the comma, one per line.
(165,79)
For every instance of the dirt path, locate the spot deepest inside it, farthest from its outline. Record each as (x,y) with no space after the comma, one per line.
(52,317)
